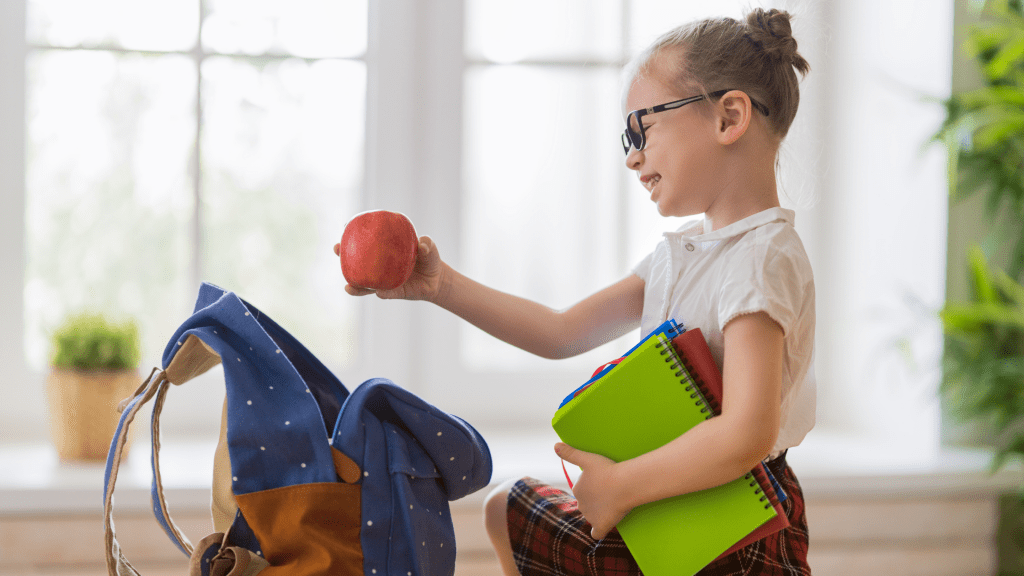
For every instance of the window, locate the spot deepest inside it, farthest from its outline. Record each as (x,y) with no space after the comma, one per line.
(125,103)
(493,125)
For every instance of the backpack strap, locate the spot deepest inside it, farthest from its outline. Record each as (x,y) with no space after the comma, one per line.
(193,358)
(117,564)
(157,490)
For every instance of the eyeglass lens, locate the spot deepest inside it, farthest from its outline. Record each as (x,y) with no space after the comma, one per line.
(633,132)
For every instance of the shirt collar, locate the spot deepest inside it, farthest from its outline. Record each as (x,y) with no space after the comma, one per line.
(694,232)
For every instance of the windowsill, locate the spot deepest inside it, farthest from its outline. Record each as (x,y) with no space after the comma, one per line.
(34,481)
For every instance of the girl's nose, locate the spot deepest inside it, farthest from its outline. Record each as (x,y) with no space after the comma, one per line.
(634,159)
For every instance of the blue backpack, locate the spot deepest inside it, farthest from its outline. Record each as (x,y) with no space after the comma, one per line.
(309,479)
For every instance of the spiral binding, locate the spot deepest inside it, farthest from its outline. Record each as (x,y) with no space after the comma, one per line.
(674,330)
(699,393)
(757,490)
(693,385)
(764,487)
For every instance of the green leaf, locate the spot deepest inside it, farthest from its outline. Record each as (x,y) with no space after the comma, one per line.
(983,39)
(1007,57)
(969,317)
(1002,127)
(985,292)
(1011,289)
(1004,95)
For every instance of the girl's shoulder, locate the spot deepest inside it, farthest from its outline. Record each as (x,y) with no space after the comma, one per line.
(778,252)
(779,239)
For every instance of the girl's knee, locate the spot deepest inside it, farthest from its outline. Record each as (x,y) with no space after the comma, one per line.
(496,507)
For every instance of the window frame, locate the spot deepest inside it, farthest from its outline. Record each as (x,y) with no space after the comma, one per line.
(21,414)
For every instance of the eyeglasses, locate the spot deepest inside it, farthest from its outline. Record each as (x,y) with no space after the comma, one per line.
(634,135)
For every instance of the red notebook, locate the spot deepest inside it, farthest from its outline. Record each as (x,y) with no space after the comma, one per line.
(696,356)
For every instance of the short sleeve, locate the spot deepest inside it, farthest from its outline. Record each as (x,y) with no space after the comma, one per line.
(772,275)
(643,268)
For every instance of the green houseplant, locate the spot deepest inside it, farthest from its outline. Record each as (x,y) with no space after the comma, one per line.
(983,372)
(94,365)
(983,359)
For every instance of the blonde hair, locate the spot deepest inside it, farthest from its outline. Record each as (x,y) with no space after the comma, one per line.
(758,56)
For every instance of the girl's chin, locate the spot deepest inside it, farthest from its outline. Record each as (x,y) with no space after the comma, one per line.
(663,209)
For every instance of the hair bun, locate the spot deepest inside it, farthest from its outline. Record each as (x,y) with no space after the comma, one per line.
(772,33)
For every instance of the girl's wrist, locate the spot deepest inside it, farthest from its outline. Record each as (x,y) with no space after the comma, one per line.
(628,488)
(444,286)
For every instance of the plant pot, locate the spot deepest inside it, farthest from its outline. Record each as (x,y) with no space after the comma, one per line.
(83,410)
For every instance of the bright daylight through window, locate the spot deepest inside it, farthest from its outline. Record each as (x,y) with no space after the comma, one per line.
(123,103)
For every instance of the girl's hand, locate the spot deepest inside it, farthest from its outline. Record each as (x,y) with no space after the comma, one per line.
(600,493)
(424,284)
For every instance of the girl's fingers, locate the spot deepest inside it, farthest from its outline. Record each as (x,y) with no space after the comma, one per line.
(357,291)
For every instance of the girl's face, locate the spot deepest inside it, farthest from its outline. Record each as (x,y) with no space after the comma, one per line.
(679,158)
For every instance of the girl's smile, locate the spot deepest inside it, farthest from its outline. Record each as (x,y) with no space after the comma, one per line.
(649,181)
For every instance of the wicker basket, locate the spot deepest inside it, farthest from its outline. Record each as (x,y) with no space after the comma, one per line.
(83,410)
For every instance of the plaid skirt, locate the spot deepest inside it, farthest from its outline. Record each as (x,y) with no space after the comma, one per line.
(550,537)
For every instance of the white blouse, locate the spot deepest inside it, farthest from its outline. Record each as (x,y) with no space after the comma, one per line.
(753,265)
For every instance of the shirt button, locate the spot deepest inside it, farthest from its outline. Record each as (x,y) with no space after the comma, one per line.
(689,247)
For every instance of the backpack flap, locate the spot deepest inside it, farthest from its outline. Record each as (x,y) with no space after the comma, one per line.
(415,458)
(275,431)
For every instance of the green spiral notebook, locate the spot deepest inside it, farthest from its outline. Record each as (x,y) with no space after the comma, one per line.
(647,401)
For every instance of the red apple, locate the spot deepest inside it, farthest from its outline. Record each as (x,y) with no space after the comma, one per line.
(378,250)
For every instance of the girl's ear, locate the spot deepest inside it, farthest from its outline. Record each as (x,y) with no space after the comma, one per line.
(733,112)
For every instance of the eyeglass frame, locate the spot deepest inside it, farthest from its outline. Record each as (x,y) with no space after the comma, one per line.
(627,141)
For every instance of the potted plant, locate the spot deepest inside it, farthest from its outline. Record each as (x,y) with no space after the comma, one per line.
(983,359)
(94,366)
(983,376)
(983,372)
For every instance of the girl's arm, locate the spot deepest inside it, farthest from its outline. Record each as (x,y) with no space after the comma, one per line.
(599,318)
(712,453)
(595,320)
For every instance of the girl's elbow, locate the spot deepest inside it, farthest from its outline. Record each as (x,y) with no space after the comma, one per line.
(562,342)
(760,446)
(755,447)
(554,349)
(757,437)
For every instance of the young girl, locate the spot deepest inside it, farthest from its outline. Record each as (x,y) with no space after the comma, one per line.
(707,106)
